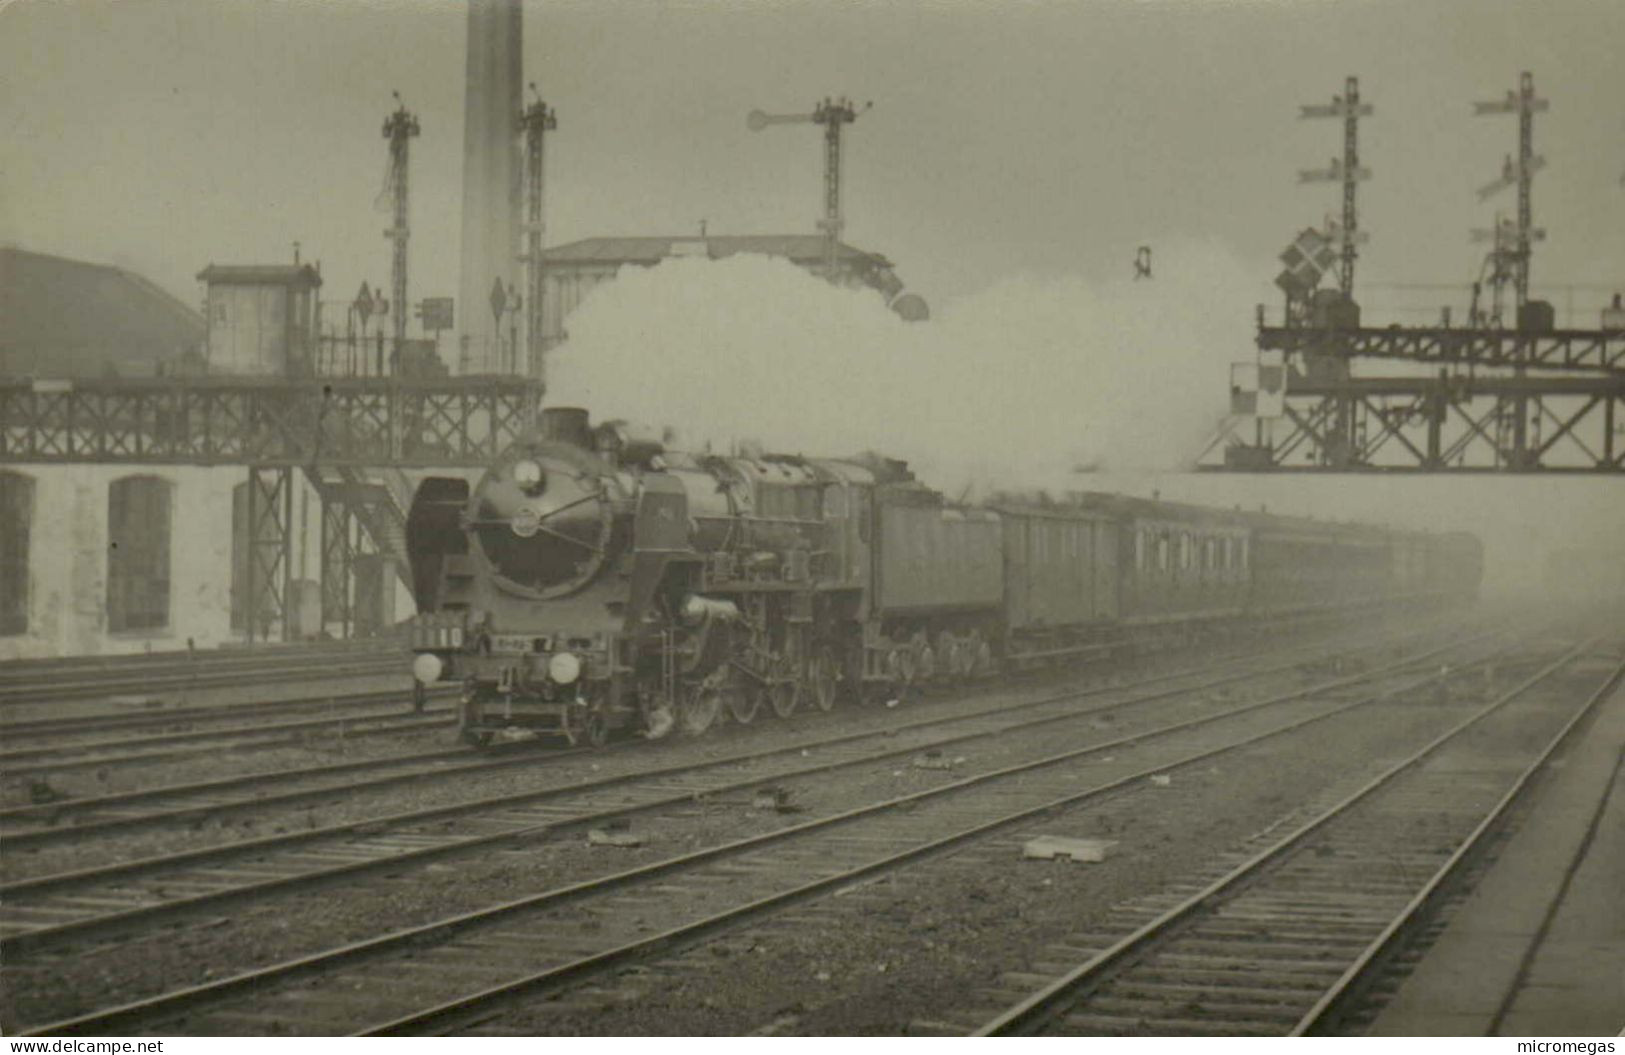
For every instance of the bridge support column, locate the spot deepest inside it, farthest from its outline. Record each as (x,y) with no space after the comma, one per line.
(270,552)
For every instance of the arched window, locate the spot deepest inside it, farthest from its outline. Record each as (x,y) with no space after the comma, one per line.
(138,512)
(16,528)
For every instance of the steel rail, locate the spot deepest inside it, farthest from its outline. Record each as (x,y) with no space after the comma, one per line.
(181,657)
(1037,1008)
(41,727)
(189,752)
(18,693)
(404,718)
(1335,998)
(125,1016)
(26,939)
(477,1006)
(15,839)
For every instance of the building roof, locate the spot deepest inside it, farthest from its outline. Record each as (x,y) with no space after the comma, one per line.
(73,319)
(260,275)
(800,248)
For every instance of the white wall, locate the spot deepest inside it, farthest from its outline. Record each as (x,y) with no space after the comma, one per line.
(67,603)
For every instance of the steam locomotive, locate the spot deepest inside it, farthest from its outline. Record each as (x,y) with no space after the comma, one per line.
(595,581)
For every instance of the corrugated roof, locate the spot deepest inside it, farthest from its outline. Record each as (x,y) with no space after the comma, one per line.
(260,275)
(801,248)
(69,318)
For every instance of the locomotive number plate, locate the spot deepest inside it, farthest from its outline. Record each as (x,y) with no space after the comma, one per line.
(517,643)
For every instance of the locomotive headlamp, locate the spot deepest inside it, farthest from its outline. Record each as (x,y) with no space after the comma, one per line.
(564,667)
(427,668)
(526,522)
(529,476)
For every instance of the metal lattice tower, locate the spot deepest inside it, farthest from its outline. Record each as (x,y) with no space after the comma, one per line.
(537,120)
(1522,174)
(832,114)
(1348,171)
(399,128)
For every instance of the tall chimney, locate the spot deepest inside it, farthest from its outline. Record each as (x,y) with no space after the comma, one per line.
(492,192)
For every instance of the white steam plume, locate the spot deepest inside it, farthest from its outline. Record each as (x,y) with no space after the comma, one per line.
(1014,386)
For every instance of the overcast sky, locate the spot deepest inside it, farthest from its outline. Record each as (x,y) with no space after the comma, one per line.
(1035,144)
(1006,138)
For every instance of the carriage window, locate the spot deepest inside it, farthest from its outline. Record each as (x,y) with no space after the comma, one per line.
(138,553)
(1241,553)
(1162,552)
(1139,550)
(16,523)
(1208,561)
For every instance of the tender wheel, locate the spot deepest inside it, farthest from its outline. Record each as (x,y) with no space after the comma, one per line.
(949,656)
(699,708)
(824,677)
(925,660)
(900,667)
(978,656)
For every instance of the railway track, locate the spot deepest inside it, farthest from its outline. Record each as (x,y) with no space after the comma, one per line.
(82,677)
(48,908)
(359,714)
(1282,938)
(75,819)
(530,946)
(166,718)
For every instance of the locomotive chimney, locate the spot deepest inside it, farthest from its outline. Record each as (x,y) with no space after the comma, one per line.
(567,425)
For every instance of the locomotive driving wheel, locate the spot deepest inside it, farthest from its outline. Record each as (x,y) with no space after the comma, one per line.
(782,689)
(783,684)
(741,701)
(824,677)
(698,705)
